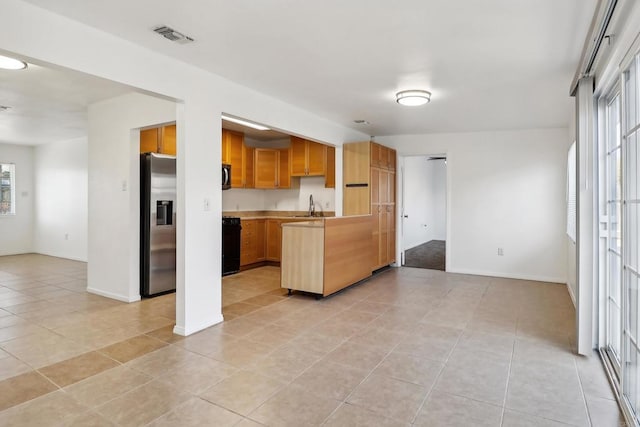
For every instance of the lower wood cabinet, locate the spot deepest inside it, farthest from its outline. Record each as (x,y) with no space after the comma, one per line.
(261,239)
(274,239)
(252,241)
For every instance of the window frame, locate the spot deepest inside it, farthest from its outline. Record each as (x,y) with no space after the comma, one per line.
(12,189)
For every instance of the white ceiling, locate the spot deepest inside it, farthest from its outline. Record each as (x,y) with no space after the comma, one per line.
(49,104)
(492,64)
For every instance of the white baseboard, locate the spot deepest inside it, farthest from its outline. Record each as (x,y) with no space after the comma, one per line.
(181,330)
(62,256)
(111,295)
(510,275)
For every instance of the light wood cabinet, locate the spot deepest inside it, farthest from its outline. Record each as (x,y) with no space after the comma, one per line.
(308,158)
(266,168)
(374,194)
(168,140)
(284,177)
(226,157)
(356,177)
(272,168)
(383,157)
(247,242)
(159,140)
(240,157)
(274,239)
(261,240)
(330,175)
(252,241)
(383,211)
(302,266)
(325,256)
(149,140)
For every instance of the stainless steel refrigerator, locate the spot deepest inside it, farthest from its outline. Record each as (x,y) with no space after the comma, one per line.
(157,224)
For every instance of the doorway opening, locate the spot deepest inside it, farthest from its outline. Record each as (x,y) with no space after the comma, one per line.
(424,212)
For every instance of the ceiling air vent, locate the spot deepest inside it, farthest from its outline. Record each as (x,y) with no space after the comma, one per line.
(173,35)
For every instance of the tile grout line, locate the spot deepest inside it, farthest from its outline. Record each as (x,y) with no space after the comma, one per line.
(435,382)
(582,393)
(506,391)
(344,401)
(38,370)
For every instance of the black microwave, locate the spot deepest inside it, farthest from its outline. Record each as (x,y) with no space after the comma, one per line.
(226,176)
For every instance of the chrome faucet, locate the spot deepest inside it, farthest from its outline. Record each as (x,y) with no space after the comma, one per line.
(312,207)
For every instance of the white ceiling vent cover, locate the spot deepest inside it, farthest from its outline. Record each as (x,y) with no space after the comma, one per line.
(173,35)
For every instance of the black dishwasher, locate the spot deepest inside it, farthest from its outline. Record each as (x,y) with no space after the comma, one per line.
(230,245)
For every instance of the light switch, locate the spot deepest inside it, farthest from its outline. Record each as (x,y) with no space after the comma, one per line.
(207,205)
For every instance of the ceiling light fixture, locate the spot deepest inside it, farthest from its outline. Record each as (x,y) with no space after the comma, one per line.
(413,98)
(244,122)
(361,122)
(7,63)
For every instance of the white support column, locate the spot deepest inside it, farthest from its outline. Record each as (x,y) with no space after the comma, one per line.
(586,298)
(199,230)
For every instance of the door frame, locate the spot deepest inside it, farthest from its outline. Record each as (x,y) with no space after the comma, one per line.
(400,185)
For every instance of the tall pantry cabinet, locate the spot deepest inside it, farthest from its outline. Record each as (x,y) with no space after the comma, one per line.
(369,180)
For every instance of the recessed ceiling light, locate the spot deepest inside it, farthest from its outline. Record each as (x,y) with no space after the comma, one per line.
(244,122)
(8,63)
(361,122)
(413,98)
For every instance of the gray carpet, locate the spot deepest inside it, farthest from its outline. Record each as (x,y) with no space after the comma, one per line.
(429,255)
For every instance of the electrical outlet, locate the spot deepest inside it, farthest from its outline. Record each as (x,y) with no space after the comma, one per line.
(500,252)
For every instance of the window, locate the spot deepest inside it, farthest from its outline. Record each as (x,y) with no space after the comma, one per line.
(7,189)
(571,193)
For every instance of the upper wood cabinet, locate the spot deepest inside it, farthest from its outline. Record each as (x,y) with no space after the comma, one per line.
(284,178)
(308,158)
(356,178)
(149,140)
(330,176)
(266,168)
(383,157)
(168,140)
(272,168)
(240,157)
(159,140)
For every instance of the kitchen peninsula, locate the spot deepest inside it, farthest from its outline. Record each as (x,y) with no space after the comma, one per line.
(324,255)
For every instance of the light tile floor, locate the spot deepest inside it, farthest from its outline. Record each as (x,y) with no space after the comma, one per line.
(407,347)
